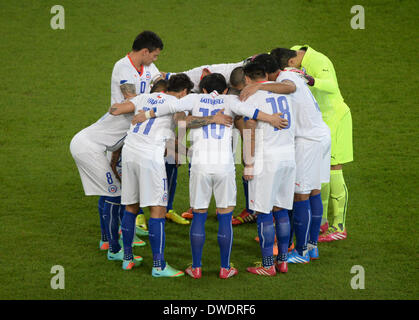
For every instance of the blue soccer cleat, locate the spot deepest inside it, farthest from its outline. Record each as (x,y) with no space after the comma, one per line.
(295,257)
(313,253)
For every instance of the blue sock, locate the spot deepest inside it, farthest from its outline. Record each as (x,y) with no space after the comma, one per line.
(266,232)
(302,220)
(111,215)
(225,237)
(128,231)
(246,194)
(100,206)
(197,237)
(291,218)
(282,227)
(121,213)
(171,173)
(157,237)
(316,218)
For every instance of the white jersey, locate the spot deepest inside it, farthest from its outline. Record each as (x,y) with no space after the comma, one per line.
(153,133)
(109,131)
(308,117)
(196,74)
(272,143)
(124,71)
(211,150)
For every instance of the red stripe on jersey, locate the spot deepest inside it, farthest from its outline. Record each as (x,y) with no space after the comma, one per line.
(140,72)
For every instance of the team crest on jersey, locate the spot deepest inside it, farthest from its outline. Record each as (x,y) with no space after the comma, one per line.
(148,75)
(164,196)
(113,188)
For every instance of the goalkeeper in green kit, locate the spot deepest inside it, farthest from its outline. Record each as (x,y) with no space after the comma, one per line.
(320,75)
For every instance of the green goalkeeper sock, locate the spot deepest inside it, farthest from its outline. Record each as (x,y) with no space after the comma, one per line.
(339,198)
(325,194)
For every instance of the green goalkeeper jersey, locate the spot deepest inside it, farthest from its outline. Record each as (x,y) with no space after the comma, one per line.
(325,89)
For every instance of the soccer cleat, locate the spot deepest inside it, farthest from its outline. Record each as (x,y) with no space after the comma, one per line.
(140,231)
(313,253)
(295,257)
(324,227)
(103,245)
(195,273)
(137,242)
(228,273)
(332,234)
(291,247)
(141,225)
(172,215)
(261,270)
(281,266)
(188,214)
(167,272)
(244,217)
(119,256)
(129,264)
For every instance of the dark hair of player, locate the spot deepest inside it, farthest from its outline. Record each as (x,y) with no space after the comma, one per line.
(233,91)
(147,39)
(159,86)
(282,55)
(213,81)
(268,62)
(178,82)
(237,77)
(255,70)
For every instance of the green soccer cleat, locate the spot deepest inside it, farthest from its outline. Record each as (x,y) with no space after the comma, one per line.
(167,272)
(172,215)
(141,226)
(119,256)
(137,242)
(129,264)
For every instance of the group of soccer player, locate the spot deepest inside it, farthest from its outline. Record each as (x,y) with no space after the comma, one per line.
(296,134)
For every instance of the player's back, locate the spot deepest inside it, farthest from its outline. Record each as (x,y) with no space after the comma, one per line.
(211,144)
(308,117)
(272,143)
(152,134)
(196,74)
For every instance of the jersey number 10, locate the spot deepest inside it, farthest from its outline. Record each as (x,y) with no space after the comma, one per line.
(214,134)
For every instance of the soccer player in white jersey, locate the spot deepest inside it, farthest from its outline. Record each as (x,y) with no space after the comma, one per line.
(212,167)
(144,180)
(272,173)
(131,76)
(312,145)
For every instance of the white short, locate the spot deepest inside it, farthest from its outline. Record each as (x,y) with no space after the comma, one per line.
(203,185)
(273,186)
(325,166)
(144,179)
(94,168)
(308,159)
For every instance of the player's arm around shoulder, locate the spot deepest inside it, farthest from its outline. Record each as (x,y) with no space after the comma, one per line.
(122,108)
(276,87)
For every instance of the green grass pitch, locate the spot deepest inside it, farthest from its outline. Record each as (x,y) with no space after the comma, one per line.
(56,82)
